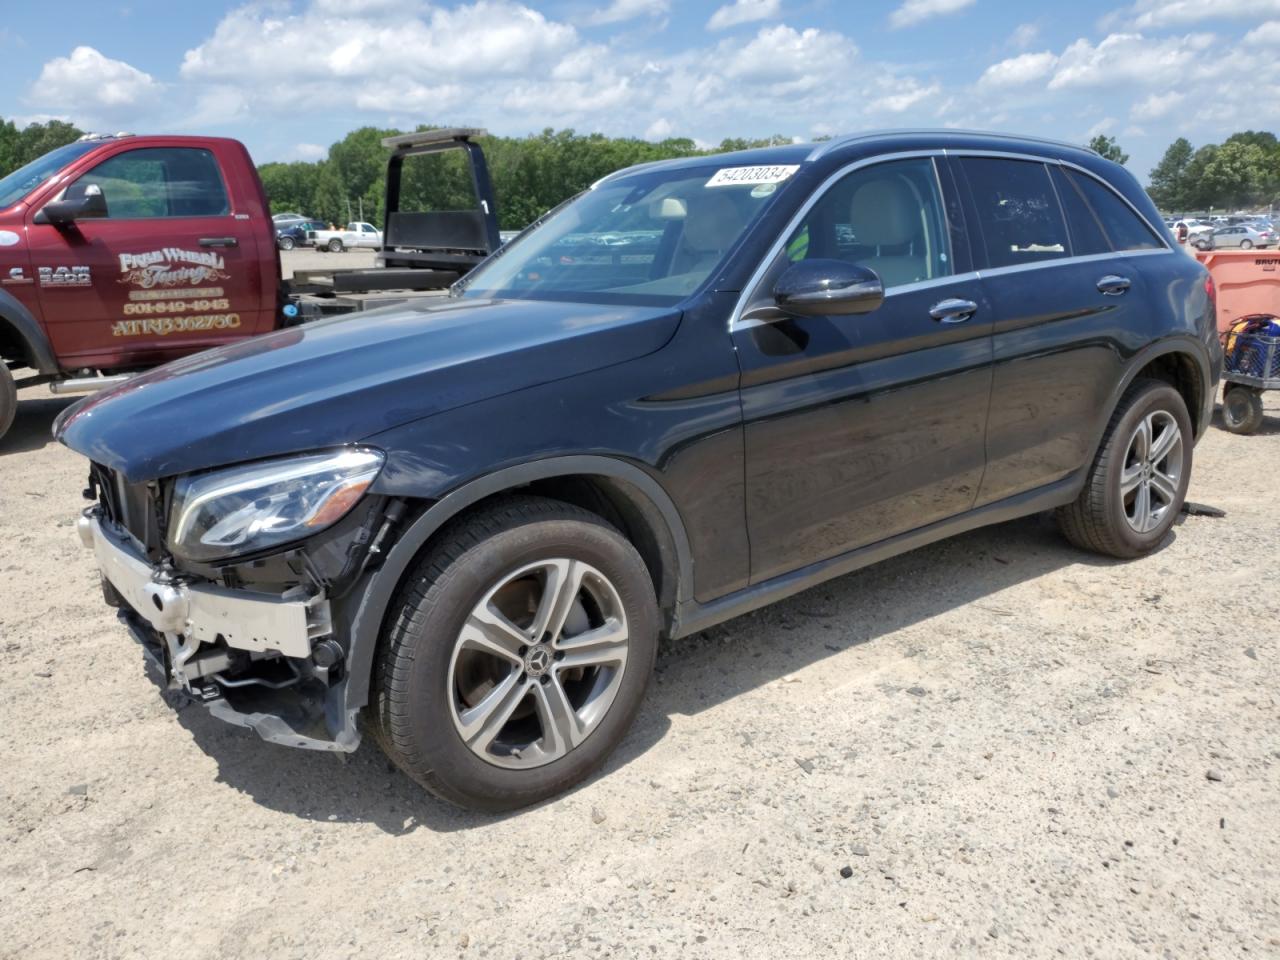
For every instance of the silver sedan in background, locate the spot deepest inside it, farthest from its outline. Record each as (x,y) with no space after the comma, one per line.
(1240,235)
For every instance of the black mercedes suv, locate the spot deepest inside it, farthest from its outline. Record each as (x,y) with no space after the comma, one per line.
(699,386)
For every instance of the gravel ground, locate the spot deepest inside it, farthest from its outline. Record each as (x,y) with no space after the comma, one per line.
(1011,748)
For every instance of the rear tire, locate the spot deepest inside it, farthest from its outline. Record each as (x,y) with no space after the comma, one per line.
(1246,244)
(286,243)
(480,694)
(335,245)
(1242,411)
(8,398)
(1139,478)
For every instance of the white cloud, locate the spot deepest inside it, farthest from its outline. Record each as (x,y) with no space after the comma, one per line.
(620,10)
(1024,35)
(660,129)
(1157,105)
(744,11)
(86,82)
(310,151)
(1265,35)
(917,11)
(1131,59)
(907,98)
(1102,126)
(1017,71)
(1153,14)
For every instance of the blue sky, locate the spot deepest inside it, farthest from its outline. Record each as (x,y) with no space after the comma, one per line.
(288,77)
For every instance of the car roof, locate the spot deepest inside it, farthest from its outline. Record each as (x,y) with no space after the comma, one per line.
(873,141)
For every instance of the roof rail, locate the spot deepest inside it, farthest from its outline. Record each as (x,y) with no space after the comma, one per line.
(822,149)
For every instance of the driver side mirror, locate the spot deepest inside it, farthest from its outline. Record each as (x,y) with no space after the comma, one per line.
(819,288)
(80,201)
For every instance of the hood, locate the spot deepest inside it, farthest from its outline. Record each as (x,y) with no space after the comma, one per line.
(340,380)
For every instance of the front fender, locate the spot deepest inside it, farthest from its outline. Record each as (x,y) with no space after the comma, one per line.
(39,351)
(364,611)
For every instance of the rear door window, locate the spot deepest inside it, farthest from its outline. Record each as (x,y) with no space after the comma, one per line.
(155,182)
(1019,219)
(1126,230)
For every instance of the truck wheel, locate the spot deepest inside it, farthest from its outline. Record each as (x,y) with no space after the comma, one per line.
(516,655)
(1139,477)
(335,245)
(8,398)
(286,243)
(1242,411)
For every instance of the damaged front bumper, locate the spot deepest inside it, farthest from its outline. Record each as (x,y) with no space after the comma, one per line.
(262,661)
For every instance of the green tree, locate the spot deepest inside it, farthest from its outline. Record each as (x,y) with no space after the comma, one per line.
(1170,187)
(18,147)
(1107,148)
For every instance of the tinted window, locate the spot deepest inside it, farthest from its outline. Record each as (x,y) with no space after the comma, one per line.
(888,217)
(160,182)
(1125,228)
(1018,213)
(1087,235)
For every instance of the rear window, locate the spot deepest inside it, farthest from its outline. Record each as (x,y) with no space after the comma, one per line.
(1018,213)
(1126,230)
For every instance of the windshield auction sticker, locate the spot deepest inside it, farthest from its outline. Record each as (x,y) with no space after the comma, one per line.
(749,176)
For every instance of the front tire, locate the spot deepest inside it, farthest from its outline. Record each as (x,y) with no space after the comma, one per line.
(1242,410)
(1139,478)
(8,398)
(517,654)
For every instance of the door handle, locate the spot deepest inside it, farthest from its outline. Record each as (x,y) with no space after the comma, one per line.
(219,242)
(1113,286)
(953,310)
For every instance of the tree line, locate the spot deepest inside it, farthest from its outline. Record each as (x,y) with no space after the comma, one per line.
(532,174)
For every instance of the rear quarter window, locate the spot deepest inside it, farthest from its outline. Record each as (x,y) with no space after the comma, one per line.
(1125,229)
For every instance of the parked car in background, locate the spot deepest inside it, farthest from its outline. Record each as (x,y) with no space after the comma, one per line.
(1241,235)
(356,234)
(1190,231)
(280,219)
(701,386)
(295,232)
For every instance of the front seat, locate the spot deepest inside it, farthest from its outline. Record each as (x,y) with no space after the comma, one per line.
(884,215)
(711,225)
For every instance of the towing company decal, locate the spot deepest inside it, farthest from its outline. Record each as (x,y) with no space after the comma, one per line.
(739,176)
(163,326)
(170,267)
(9,239)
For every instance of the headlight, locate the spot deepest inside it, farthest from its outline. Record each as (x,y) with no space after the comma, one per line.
(250,508)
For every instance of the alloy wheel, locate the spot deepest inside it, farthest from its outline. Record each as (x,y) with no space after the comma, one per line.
(1152,476)
(538,663)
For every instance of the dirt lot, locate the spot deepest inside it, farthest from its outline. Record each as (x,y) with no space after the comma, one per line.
(1017,749)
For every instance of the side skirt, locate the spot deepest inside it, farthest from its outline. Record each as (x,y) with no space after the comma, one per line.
(691,616)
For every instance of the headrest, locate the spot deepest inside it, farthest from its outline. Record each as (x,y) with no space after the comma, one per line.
(712,224)
(884,212)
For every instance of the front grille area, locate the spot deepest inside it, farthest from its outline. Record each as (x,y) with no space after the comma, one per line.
(131,506)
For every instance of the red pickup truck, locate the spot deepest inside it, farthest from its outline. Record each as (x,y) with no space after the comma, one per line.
(118,253)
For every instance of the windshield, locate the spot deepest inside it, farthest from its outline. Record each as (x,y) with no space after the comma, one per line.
(25,179)
(649,238)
